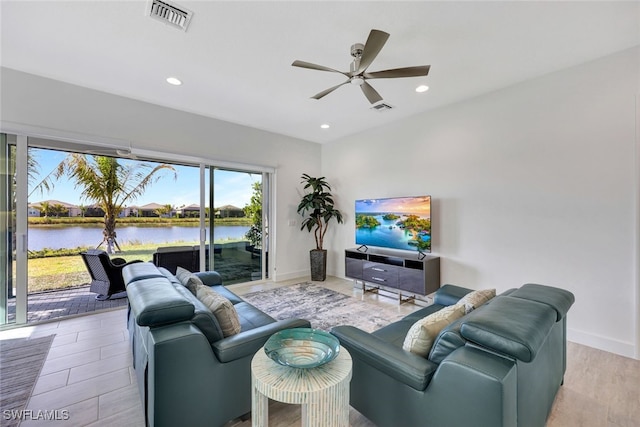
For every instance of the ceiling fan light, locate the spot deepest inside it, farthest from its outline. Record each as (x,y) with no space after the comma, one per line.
(422,88)
(357,80)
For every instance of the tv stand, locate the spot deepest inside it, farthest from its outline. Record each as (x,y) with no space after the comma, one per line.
(406,274)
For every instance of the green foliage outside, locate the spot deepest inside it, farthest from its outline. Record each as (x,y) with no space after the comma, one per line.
(131,221)
(110,184)
(64,268)
(253,213)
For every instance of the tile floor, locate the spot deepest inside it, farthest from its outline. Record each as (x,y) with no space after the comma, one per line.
(87,372)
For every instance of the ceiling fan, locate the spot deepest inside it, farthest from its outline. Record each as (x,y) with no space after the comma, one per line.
(363,57)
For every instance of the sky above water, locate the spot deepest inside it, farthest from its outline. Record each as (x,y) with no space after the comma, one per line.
(231,188)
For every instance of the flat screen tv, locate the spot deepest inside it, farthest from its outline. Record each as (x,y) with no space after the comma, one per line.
(397,223)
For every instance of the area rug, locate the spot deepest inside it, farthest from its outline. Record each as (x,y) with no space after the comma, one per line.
(323,307)
(21,360)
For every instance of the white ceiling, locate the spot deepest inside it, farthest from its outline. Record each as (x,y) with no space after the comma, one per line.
(235,59)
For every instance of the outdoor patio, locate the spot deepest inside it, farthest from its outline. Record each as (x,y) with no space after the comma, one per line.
(234,263)
(44,306)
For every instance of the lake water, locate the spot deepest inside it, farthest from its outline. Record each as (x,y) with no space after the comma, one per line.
(72,237)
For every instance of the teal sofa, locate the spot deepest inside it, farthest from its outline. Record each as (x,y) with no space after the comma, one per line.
(188,374)
(499,366)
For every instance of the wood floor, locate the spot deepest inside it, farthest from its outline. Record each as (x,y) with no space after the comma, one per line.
(88,371)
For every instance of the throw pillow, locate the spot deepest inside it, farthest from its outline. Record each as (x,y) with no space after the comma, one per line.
(188,279)
(423,333)
(475,299)
(221,308)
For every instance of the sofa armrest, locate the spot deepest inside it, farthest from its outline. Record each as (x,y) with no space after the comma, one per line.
(210,278)
(474,387)
(449,294)
(406,367)
(248,342)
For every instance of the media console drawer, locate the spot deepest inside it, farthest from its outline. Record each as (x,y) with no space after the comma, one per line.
(380,273)
(412,273)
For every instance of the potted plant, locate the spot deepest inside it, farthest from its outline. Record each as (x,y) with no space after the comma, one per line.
(317,209)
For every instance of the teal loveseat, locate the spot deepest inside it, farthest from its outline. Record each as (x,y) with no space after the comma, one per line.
(188,374)
(499,366)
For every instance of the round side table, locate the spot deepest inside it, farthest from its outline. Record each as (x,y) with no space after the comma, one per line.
(323,392)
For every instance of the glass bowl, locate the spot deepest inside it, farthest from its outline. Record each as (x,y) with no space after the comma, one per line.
(302,347)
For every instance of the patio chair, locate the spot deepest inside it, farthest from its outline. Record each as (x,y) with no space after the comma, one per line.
(106,273)
(172,257)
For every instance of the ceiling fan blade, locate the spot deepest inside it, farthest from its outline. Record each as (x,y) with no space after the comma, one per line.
(328,91)
(421,70)
(372,47)
(309,65)
(372,95)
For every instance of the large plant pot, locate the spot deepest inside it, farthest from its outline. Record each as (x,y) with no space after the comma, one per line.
(318,259)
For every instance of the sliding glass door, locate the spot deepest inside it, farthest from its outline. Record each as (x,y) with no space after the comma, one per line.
(7,225)
(222,211)
(238,225)
(13,255)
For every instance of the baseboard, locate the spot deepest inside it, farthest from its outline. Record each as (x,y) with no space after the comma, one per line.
(622,348)
(280,277)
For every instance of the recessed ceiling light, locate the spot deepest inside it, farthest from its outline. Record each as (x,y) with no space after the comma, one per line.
(422,88)
(325,126)
(174,81)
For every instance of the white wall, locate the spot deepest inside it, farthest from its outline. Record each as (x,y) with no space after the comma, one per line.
(44,103)
(535,183)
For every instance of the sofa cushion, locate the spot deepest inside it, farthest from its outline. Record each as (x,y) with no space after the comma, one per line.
(169,276)
(221,308)
(512,326)
(203,318)
(251,317)
(155,302)
(422,334)
(139,271)
(395,333)
(447,341)
(188,279)
(235,299)
(475,299)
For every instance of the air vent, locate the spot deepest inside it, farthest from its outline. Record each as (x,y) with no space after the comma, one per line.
(171,14)
(381,106)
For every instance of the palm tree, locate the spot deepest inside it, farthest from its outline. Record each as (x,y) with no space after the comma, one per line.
(33,171)
(109,184)
(164,210)
(45,207)
(58,209)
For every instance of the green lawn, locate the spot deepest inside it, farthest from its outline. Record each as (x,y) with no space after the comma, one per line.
(57,272)
(50,269)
